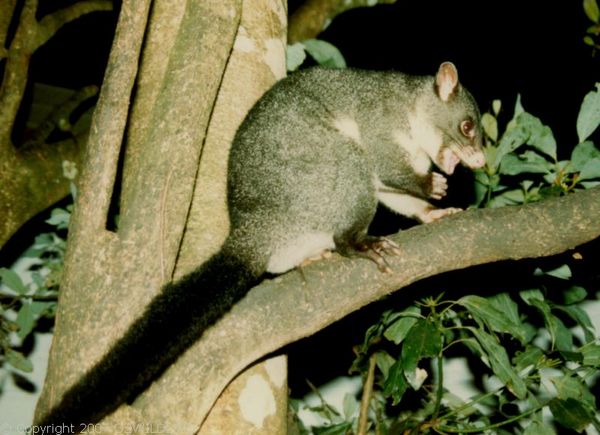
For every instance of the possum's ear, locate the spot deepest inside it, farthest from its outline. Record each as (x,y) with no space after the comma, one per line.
(446,80)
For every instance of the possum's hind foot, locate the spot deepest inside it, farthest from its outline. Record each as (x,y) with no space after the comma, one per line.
(373,248)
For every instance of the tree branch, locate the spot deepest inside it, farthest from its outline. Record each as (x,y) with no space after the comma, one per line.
(313,16)
(32,176)
(290,307)
(51,23)
(7,8)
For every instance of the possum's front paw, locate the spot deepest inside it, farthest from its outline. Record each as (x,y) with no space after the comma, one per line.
(439,186)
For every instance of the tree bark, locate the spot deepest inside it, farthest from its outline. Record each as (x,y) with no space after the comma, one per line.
(313,16)
(110,276)
(31,176)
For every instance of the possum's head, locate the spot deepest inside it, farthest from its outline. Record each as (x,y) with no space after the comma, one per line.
(455,115)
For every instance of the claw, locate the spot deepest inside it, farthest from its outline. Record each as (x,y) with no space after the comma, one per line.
(376,250)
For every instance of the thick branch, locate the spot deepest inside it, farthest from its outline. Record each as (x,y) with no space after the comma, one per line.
(7,8)
(294,306)
(51,23)
(30,35)
(313,16)
(32,178)
(34,181)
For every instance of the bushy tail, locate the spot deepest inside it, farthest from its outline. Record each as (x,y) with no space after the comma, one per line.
(171,323)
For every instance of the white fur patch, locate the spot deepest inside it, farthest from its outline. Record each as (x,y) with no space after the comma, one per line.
(422,141)
(405,204)
(348,127)
(299,249)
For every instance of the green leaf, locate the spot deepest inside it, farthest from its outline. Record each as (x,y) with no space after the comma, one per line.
(59,217)
(527,163)
(424,340)
(510,197)
(384,363)
(589,184)
(25,320)
(490,126)
(562,339)
(590,170)
(518,108)
(539,428)
(398,330)
(350,406)
(500,314)
(540,135)
(561,272)
(590,7)
(496,106)
(583,153)
(574,294)
(12,281)
(18,361)
(526,129)
(324,53)
(531,356)
(504,303)
(395,384)
(334,429)
(500,364)
(591,355)
(571,356)
(294,56)
(573,387)
(589,114)
(528,295)
(28,315)
(588,40)
(510,141)
(571,413)
(581,317)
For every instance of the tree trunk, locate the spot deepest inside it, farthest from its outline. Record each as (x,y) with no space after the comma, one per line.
(173,158)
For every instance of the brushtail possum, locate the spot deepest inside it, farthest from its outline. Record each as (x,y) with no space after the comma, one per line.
(307,167)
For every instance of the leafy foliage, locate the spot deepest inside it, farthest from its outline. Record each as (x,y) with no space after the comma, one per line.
(522,166)
(24,304)
(590,7)
(537,347)
(323,53)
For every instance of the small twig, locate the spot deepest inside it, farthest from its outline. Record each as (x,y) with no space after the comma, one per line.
(51,23)
(4,298)
(440,386)
(365,400)
(60,116)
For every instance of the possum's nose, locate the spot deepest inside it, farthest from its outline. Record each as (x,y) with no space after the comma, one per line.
(476,160)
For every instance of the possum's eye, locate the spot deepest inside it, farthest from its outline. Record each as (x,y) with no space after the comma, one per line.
(466,128)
